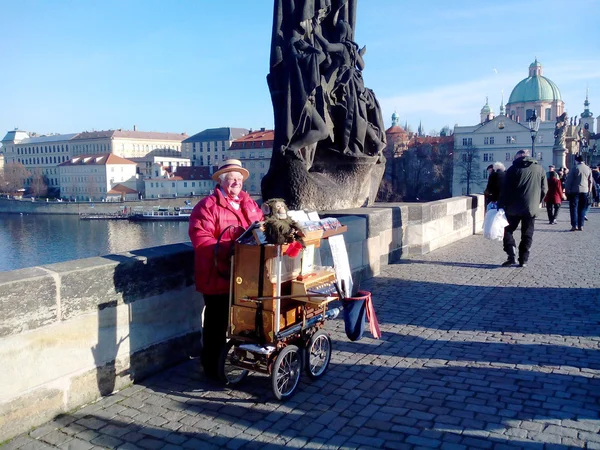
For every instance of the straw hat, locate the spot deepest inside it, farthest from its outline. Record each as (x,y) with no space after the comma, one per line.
(230,165)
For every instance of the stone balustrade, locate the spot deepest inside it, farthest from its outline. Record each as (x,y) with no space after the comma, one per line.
(75,331)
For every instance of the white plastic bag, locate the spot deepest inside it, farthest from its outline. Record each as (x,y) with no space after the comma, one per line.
(493,224)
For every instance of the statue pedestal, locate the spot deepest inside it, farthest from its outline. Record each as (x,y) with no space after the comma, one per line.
(559,157)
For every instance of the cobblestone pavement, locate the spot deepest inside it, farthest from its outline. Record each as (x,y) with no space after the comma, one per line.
(473,355)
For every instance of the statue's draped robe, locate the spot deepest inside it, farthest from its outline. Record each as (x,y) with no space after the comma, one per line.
(329,136)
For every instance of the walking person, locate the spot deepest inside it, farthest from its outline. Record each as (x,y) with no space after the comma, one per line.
(216,221)
(494,184)
(554,197)
(578,187)
(524,188)
(596,177)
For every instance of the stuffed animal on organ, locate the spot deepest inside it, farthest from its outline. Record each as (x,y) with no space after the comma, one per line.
(279,228)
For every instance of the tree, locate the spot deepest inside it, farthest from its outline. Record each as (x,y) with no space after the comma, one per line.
(387,193)
(39,184)
(434,133)
(446,131)
(468,166)
(13,178)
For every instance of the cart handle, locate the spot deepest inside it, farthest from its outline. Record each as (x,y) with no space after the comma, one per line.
(260,299)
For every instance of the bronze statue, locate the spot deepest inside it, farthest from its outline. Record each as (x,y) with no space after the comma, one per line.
(329,132)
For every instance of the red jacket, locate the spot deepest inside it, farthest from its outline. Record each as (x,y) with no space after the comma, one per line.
(211,217)
(555,191)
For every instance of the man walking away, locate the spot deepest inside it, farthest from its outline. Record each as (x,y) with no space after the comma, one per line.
(525,186)
(578,187)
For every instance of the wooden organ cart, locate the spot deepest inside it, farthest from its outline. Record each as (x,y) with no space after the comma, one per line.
(277,307)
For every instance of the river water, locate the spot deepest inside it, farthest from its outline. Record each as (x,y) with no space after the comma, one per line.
(34,239)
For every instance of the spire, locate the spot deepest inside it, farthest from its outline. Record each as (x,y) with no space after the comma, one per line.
(502,110)
(586,112)
(395,119)
(420,130)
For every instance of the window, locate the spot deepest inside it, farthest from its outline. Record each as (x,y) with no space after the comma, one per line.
(173,184)
(540,156)
(485,174)
(548,113)
(193,184)
(508,157)
(486,157)
(511,139)
(486,140)
(464,157)
(491,140)
(528,114)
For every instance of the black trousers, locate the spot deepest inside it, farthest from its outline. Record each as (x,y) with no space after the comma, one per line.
(552,209)
(216,310)
(527,228)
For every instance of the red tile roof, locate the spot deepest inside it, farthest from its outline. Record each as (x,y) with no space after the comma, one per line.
(395,130)
(121,189)
(202,173)
(131,135)
(101,159)
(264,137)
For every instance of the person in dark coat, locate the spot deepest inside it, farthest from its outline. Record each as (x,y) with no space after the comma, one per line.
(495,181)
(524,188)
(578,187)
(554,197)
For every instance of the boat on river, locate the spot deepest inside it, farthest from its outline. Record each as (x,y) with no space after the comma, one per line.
(180,213)
(104,216)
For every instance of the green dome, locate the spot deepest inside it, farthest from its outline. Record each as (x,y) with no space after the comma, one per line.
(535,87)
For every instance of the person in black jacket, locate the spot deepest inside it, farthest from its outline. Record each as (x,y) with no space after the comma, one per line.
(524,188)
(494,184)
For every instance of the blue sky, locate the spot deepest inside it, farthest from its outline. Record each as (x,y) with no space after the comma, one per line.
(184,66)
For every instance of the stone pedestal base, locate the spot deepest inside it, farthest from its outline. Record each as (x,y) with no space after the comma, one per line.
(559,157)
(334,181)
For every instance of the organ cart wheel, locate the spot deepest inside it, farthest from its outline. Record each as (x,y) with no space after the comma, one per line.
(318,354)
(286,372)
(228,372)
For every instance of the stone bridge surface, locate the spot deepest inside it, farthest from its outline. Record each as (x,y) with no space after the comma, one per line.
(473,355)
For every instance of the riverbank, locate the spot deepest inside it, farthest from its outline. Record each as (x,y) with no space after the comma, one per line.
(11,206)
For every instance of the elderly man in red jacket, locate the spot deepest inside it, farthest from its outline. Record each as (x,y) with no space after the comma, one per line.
(215,223)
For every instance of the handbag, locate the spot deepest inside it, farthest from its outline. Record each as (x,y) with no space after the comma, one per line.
(356,312)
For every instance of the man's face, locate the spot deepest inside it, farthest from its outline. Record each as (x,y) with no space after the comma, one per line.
(551,169)
(232,184)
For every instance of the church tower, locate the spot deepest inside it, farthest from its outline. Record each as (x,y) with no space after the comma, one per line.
(587,117)
(487,113)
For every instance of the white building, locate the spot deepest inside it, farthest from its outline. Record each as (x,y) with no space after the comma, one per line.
(43,154)
(128,143)
(93,177)
(254,151)
(146,166)
(210,146)
(498,138)
(187,181)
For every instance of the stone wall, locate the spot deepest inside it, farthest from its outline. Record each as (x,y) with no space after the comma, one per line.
(74,331)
